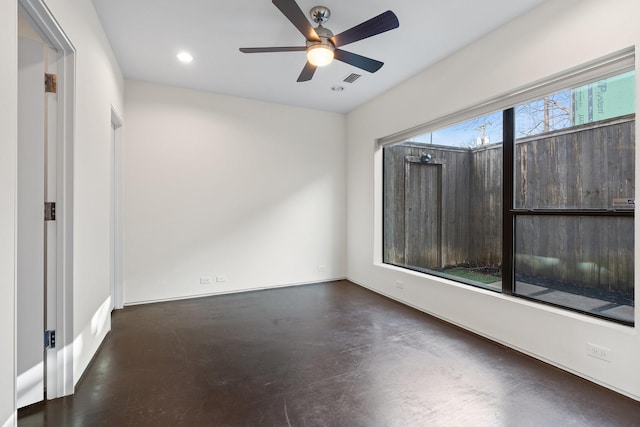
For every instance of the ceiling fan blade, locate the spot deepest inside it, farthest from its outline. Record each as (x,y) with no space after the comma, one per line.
(307,72)
(292,11)
(273,49)
(367,64)
(384,22)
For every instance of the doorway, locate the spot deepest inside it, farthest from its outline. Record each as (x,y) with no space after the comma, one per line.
(44,247)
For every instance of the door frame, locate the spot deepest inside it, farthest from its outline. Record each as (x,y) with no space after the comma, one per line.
(117,185)
(59,360)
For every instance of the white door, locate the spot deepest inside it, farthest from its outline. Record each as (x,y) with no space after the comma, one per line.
(51,227)
(30,227)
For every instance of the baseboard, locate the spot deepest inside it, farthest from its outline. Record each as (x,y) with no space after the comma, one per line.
(235,291)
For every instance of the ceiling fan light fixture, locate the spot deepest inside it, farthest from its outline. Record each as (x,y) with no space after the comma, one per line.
(319,55)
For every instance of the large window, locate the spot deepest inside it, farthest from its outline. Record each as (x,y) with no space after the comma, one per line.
(443,202)
(535,200)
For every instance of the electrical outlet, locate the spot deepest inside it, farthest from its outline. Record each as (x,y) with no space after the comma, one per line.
(322,267)
(399,284)
(205,280)
(599,352)
(221,278)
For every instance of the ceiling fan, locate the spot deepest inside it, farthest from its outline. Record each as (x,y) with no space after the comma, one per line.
(321,45)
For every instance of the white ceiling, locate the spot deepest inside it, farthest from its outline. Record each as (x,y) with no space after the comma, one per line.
(146,35)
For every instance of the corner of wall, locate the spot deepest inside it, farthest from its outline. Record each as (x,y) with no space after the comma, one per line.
(90,338)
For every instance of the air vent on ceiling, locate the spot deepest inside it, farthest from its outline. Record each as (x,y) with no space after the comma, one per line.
(352,77)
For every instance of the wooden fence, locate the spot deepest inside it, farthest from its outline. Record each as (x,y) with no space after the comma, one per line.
(443,205)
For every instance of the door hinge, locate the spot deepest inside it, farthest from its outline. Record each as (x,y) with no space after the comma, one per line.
(49,339)
(49,211)
(50,83)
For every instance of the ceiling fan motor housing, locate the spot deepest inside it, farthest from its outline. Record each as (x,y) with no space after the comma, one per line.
(324,34)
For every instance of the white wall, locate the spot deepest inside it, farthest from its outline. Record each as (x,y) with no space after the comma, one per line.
(550,39)
(8,173)
(99,86)
(216,185)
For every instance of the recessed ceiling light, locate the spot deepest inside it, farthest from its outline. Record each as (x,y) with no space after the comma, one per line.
(337,88)
(184,57)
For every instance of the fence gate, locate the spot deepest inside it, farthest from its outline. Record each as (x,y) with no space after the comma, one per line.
(423,211)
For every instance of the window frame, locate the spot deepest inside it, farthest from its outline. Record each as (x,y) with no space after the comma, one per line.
(614,64)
